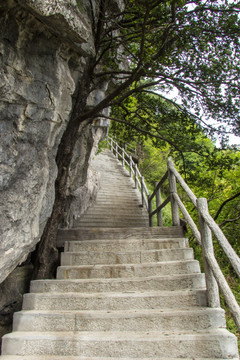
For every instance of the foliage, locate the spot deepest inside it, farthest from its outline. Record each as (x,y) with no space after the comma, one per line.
(209,171)
(191,47)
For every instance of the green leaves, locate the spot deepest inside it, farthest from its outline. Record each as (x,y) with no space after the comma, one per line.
(194,47)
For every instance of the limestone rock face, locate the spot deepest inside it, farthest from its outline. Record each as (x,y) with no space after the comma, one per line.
(83,179)
(12,290)
(39,72)
(44,46)
(66,21)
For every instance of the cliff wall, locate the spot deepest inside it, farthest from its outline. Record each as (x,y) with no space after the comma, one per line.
(43,48)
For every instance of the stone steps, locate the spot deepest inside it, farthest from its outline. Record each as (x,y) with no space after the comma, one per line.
(117,192)
(121,208)
(212,343)
(128,270)
(164,283)
(125,245)
(149,320)
(130,213)
(111,223)
(130,293)
(53,357)
(107,202)
(115,301)
(131,257)
(96,233)
(117,203)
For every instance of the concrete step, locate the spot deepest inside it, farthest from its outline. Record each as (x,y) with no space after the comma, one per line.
(115,301)
(110,225)
(56,357)
(107,213)
(128,192)
(133,200)
(115,220)
(120,182)
(120,209)
(116,233)
(126,202)
(114,214)
(118,191)
(212,343)
(127,270)
(134,257)
(120,178)
(128,320)
(130,210)
(163,283)
(125,245)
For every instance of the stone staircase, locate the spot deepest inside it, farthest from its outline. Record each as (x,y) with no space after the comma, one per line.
(130,293)
(117,204)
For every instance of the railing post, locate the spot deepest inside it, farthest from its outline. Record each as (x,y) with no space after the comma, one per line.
(130,165)
(116,151)
(158,203)
(142,190)
(207,248)
(149,211)
(173,189)
(123,157)
(135,175)
(111,145)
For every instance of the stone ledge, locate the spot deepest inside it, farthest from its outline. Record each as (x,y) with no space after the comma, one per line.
(64,19)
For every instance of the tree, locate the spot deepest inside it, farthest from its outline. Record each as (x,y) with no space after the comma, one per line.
(152,45)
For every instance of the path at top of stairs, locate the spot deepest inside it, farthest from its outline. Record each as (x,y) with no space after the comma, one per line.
(118,203)
(121,293)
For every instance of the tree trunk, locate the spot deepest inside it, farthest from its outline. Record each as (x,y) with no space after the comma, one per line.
(45,258)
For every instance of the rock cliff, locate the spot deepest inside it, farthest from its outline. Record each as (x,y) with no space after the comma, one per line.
(43,48)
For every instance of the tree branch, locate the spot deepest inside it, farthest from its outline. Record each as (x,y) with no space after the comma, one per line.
(144,131)
(229,221)
(224,203)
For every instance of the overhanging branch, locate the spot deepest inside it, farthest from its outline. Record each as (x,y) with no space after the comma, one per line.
(224,203)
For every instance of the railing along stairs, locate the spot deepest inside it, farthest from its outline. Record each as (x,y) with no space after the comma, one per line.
(215,279)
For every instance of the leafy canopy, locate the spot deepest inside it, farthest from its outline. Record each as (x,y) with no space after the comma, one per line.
(192,47)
